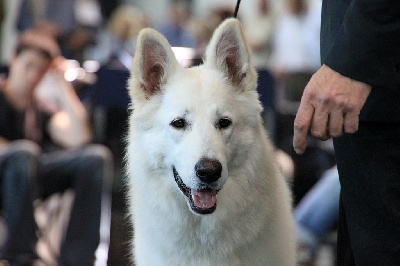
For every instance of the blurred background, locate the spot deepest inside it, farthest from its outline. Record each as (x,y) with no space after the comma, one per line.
(98,38)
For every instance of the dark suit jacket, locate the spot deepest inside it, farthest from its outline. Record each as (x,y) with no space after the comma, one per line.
(361,39)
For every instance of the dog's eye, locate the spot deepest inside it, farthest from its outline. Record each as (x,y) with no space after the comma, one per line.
(224,123)
(178,123)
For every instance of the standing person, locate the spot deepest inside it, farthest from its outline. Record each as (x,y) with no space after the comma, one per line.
(175,28)
(259,31)
(293,59)
(259,34)
(354,97)
(41,154)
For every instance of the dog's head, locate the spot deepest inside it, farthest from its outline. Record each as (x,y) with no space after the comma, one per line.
(196,123)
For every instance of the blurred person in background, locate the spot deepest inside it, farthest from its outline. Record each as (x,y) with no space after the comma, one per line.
(175,28)
(295,56)
(74,23)
(118,39)
(44,152)
(259,31)
(202,27)
(259,34)
(316,215)
(294,59)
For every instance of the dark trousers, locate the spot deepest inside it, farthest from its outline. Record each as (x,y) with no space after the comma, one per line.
(88,171)
(369,170)
(18,173)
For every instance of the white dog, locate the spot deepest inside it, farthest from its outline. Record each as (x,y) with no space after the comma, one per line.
(204,187)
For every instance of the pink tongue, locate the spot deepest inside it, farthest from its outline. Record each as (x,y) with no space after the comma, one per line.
(204,199)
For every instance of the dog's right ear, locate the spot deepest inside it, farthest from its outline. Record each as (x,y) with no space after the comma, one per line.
(154,60)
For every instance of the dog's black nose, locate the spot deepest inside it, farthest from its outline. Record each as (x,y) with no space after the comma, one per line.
(208,170)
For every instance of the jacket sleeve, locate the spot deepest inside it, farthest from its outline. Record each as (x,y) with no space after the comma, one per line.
(366,44)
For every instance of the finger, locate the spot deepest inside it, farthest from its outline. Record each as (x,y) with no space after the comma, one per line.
(336,120)
(319,125)
(350,123)
(302,125)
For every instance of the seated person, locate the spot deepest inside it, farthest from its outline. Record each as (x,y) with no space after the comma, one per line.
(316,214)
(42,153)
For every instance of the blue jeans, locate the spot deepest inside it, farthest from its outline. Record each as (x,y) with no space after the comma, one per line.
(27,174)
(18,173)
(318,211)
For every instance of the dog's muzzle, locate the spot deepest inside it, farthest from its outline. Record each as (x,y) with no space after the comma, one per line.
(203,200)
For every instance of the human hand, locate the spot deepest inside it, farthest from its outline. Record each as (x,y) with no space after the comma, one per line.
(58,64)
(48,27)
(3,142)
(330,106)
(64,71)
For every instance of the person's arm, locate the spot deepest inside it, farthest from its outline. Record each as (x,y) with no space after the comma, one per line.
(70,126)
(367,46)
(363,54)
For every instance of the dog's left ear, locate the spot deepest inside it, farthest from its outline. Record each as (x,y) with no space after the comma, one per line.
(228,52)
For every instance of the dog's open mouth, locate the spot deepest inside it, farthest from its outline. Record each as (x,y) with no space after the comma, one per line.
(202,201)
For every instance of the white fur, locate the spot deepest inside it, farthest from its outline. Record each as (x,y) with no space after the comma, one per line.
(252,224)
